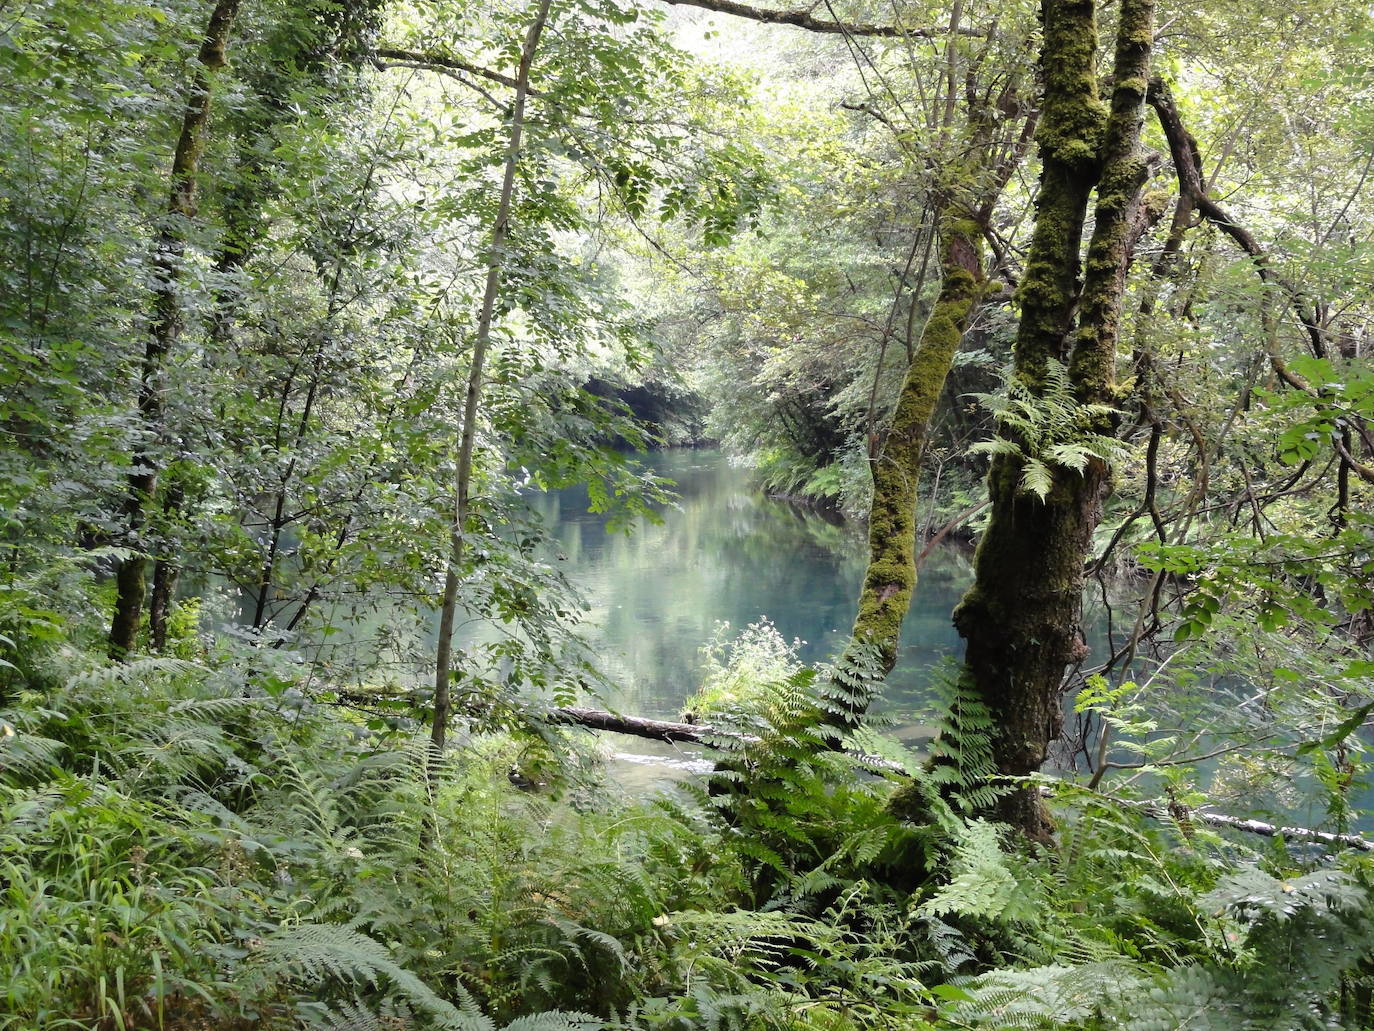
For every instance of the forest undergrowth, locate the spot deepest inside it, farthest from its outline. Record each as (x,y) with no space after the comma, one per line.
(181,848)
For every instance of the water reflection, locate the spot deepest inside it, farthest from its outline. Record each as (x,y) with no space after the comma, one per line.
(728,553)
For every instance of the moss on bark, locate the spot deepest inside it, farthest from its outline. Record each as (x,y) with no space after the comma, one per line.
(1093,366)
(891,576)
(1021,619)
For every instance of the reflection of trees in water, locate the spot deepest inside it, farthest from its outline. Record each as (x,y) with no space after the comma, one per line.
(655,596)
(728,553)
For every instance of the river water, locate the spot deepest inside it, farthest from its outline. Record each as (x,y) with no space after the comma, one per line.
(725,552)
(728,553)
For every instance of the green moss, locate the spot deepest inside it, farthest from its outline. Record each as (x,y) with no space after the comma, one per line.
(890,578)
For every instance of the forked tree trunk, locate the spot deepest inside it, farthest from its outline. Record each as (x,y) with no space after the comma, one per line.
(1022,617)
(168,320)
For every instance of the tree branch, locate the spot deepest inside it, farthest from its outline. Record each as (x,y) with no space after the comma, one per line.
(1160,811)
(1364,472)
(1188,167)
(802,19)
(443,63)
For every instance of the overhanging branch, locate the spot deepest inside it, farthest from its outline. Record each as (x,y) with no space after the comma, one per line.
(802,18)
(1187,160)
(443,63)
(1188,165)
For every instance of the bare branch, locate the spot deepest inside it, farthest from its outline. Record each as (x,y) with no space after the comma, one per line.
(1188,167)
(1364,472)
(803,19)
(443,63)
(1160,811)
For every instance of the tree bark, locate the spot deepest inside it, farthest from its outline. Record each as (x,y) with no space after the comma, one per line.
(890,579)
(961,206)
(1021,620)
(463,485)
(167,322)
(166,571)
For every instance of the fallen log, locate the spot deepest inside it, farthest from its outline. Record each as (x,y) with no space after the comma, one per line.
(699,733)
(669,730)
(638,726)
(706,735)
(1160,811)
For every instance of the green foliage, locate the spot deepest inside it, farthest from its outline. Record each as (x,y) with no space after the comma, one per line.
(206,851)
(1048,428)
(1148,930)
(740,672)
(225,835)
(962,766)
(202,853)
(1272,579)
(1344,394)
(981,884)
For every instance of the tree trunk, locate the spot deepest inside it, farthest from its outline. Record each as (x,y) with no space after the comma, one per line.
(166,570)
(167,323)
(1021,620)
(962,207)
(462,488)
(890,578)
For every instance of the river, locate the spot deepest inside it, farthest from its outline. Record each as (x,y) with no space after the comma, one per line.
(728,553)
(725,552)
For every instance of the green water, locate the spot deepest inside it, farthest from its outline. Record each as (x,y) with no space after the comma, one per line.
(727,553)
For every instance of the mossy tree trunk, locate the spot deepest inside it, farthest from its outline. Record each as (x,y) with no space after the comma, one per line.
(890,578)
(1021,620)
(994,140)
(168,319)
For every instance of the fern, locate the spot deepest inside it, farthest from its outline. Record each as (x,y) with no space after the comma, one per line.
(140,671)
(1047,429)
(318,954)
(1046,997)
(982,884)
(555,1020)
(961,764)
(27,758)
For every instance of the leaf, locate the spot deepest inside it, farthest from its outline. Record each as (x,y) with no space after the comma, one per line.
(1071,456)
(1036,479)
(1346,728)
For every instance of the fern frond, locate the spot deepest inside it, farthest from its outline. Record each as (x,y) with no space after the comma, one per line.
(1047,429)
(1036,478)
(26,758)
(1048,997)
(319,954)
(983,884)
(138,671)
(555,1020)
